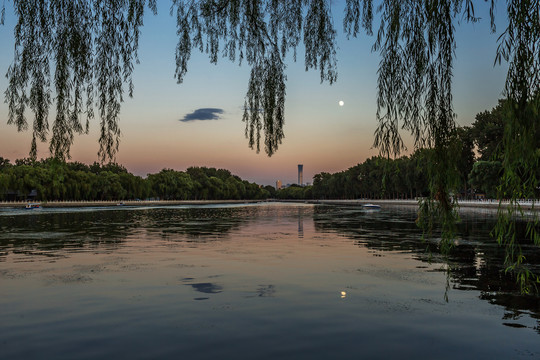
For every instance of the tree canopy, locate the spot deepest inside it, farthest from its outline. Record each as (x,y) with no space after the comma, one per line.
(53,179)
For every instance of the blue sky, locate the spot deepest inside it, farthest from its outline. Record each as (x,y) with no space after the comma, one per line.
(318,132)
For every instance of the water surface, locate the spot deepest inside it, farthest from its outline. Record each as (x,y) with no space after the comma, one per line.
(260,281)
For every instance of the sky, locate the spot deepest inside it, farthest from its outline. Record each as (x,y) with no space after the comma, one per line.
(159,130)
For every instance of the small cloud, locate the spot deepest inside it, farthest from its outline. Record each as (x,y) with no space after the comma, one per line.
(203,114)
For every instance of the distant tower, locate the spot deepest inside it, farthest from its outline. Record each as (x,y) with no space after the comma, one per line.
(300,174)
(278,184)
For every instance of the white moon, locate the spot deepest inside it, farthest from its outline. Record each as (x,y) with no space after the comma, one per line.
(341,103)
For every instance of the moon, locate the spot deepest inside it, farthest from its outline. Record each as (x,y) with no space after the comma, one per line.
(341,103)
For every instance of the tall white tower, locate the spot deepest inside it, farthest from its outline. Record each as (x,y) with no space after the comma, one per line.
(300,174)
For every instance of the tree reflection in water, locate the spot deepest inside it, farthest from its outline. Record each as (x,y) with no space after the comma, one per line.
(475,263)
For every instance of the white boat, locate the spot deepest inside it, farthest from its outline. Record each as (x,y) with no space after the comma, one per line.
(33,206)
(371,206)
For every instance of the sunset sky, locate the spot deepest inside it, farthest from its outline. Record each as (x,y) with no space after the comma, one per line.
(319,133)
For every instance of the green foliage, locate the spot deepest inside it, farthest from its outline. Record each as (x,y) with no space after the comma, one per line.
(464,144)
(433,217)
(485,177)
(488,132)
(416,42)
(4,163)
(84,52)
(271,191)
(295,192)
(518,45)
(377,177)
(520,180)
(261,33)
(54,179)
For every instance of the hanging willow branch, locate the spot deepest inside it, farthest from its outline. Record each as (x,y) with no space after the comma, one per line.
(88,48)
(416,44)
(520,46)
(262,33)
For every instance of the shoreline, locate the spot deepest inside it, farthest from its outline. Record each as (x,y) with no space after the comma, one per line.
(107,203)
(481,204)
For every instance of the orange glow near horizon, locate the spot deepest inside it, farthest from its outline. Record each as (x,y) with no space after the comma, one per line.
(144,152)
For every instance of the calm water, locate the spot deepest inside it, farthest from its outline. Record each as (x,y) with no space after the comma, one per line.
(262,281)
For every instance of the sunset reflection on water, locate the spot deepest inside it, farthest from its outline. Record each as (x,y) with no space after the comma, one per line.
(256,281)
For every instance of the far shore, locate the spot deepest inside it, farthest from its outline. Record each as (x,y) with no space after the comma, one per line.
(488,204)
(106,203)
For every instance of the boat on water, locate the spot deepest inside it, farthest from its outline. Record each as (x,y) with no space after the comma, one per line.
(30,206)
(371,206)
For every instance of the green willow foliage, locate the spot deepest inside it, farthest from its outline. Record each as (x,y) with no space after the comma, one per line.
(261,33)
(92,46)
(417,47)
(520,47)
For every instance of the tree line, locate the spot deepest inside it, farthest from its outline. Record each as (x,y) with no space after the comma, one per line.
(478,150)
(53,179)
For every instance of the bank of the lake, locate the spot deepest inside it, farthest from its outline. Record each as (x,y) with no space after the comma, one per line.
(481,204)
(105,203)
(484,204)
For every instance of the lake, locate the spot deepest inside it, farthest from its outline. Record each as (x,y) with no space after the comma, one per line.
(257,281)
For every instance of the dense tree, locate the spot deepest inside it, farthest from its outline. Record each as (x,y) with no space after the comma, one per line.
(4,184)
(4,163)
(375,178)
(271,190)
(78,166)
(463,143)
(485,177)
(54,179)
(295,192)
(320,185)
(488,132)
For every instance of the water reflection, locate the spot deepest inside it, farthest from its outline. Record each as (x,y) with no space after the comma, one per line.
(476,262)
(300,223)
(266,291)
(207,288)
(277,280)
(42,233)
(46,233)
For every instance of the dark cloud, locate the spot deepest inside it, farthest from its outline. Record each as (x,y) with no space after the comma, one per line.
(203,114)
